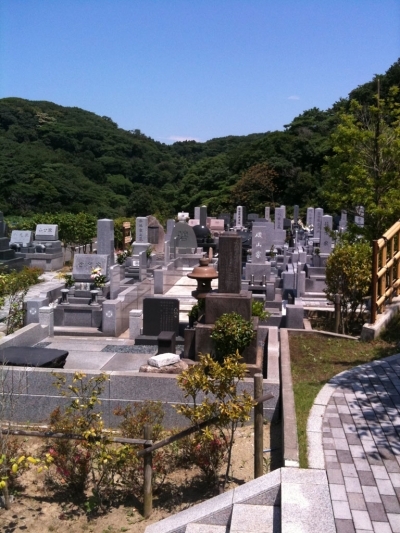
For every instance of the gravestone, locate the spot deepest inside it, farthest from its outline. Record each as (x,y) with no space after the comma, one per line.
(7,255)
(160,314)
(226,217)
(230,263)
(193,222)
(46,232)
(258,245)
(22,238)
(359,218)
(240,216)
(197,213)
(216,225)
(105,238)
(310,217)
(318,214)
(326,240)
(156,234)
(252,217)
(203,215)
(186,238)
(283,207)
(267,214)
(279,218)
(85,263)
(296,214)
(142,230)
(343,221)
(170,228)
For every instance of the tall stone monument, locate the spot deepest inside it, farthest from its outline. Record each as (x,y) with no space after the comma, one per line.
(105,238)
(141,242)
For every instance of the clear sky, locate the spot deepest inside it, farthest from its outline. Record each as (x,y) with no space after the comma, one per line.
(195,69)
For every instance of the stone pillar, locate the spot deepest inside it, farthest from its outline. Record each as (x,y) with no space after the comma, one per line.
(310,217)
(135,323)
(230,263)
(46,318)
(105,238)
(267,214)
(318,214)
(203,215)
(279,216)
(326,240)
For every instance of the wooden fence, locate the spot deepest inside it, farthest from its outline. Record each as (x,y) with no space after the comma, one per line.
(385,270)
(149,446)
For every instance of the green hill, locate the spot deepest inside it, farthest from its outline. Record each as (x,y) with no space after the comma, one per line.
(55,158)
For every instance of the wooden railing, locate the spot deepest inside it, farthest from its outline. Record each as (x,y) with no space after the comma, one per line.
(385,270)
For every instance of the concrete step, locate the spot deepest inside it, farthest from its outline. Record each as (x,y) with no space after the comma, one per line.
(255,519)
(205,528)
(78,332)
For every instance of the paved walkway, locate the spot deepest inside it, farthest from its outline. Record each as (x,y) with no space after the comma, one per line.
(361,445)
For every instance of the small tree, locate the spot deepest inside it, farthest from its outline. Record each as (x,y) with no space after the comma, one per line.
(349,273)
(217,384)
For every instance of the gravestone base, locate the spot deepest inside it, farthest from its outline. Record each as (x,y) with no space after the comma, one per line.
(258,271)
(46,262)
(216,304)
(15,263)
(152,340)
(139,247)
(76,315)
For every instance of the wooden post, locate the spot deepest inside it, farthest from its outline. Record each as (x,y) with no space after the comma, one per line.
(148,470)
(337,312)
(258,427)
(374,284)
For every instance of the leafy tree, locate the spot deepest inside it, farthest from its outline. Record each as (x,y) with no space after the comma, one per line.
(349,273)
(255,189)
(365,167)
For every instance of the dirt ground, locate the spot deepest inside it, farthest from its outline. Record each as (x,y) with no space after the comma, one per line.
(36,511)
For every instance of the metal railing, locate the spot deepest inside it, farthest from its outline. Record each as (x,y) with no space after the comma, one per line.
(385,270)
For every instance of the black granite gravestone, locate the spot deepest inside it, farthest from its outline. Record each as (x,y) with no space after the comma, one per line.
(230,263)
(160,314)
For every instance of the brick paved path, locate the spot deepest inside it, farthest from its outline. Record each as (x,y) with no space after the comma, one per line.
(361,441)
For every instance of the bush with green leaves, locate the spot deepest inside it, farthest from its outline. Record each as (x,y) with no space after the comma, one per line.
(212,389)
(349,273)
(257,309)
(232,333)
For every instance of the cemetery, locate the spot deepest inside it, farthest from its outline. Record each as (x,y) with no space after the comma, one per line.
(203,285)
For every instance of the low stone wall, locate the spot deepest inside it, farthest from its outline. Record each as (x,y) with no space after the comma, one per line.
(26,336)
(39,396)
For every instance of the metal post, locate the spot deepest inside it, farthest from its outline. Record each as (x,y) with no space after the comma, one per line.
(148,469)
(258,427)
(337,312)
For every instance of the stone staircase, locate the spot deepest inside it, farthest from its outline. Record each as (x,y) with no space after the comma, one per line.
(287,500)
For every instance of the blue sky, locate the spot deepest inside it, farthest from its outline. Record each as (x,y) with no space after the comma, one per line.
(179,69)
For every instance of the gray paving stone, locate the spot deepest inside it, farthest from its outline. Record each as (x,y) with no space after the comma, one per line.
(254,519)
(371,494)
(338,492)
(377,512)
(352,484)
(394,520)
(395,479)
(385,487)
(344,526)
(335,476)
(356,501)
(361,520)
(349,470)
(379,472)
(341,510)
(366,478)
(381,527)
(391,504)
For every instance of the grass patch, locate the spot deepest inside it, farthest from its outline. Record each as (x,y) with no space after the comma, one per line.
(315,359)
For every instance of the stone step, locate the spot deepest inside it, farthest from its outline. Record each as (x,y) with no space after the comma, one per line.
(78,331)
(255,519)
(205,528)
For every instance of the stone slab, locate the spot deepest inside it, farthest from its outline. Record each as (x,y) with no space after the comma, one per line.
(254,519)
(85,263)
(46,232)
(164,359)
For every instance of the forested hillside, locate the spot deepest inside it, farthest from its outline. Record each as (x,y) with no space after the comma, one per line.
(54,158)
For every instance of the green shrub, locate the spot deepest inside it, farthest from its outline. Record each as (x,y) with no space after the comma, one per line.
(231,334)
(257,309)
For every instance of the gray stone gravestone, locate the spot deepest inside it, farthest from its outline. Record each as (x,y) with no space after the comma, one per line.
(279,217)
(105,238)
(326,240)
(226,217)
(310,217)
(186,238)
(359,218)
(170,228)
(296,214)
(142,230)
(267,214)
(160,314)
(85,263)
(230,263)
(46,232)
(318,214)
(197,213)
(343,221)
(240,216)
(258,245)
(23,238)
